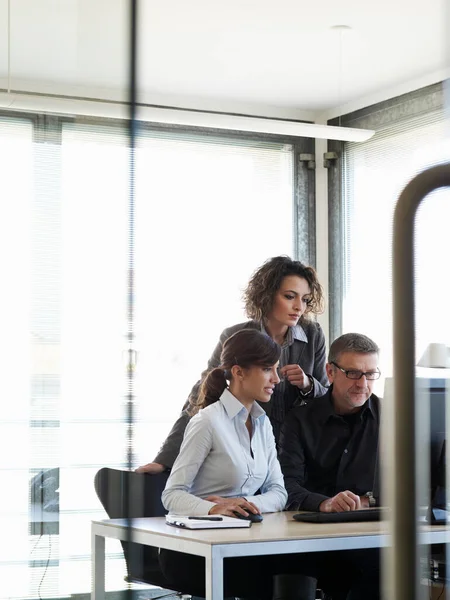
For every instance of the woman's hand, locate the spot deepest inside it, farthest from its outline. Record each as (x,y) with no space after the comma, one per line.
(296,376)
(228,506)
(152,468)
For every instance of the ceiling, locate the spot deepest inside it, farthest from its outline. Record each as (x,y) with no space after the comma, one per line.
(273,53)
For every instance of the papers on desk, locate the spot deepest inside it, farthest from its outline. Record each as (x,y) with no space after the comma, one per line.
(206,522)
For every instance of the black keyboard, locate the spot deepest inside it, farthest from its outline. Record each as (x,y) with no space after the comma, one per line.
(350,516)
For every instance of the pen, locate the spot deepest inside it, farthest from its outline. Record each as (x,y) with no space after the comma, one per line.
(206,518)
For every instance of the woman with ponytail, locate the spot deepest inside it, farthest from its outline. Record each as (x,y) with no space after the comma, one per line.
(280,299)
(227,461)
(228,449)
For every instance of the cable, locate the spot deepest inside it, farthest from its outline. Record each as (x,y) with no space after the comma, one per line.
(430,589)
(36,544)
(46,566)
(34,548)
(442,591)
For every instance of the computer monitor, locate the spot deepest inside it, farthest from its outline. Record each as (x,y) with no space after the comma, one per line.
(431,396)
(437,389)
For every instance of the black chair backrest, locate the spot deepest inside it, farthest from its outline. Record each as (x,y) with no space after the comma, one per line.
(127,494)
(138,494)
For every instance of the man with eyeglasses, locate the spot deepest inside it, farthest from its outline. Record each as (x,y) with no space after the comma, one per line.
(328,454)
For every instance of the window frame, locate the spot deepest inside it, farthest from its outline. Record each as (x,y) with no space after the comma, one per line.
(47,129)
(376,117)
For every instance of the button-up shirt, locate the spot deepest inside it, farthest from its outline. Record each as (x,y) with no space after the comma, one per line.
(285,395)
(217,457)
(323,453)
(304,346)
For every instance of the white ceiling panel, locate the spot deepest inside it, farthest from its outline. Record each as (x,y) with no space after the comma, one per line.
(279,53)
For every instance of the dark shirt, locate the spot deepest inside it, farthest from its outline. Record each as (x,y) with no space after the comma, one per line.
(323,453)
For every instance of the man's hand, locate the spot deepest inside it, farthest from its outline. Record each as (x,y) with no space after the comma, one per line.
(341,502)
(228,506)
(152,468)
(296,376)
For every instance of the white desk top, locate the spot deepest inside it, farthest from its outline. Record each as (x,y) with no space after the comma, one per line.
(276,526)
(277,534)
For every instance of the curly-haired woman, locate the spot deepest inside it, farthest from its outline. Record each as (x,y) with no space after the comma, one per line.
(279,299)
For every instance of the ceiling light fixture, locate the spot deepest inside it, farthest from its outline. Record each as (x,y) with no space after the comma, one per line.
(180,116)
(55,104)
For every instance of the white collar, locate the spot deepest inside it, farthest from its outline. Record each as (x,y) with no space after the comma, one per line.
(233,406)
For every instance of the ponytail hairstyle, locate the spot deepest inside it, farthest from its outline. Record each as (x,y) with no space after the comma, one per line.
(245,348)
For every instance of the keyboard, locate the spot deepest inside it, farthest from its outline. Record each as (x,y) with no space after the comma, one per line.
(351,516)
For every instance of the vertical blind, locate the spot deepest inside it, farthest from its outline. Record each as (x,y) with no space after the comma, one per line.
(209,210)
(375,173)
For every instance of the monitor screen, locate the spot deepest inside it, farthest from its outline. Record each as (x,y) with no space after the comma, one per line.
(437,389)
(431,398)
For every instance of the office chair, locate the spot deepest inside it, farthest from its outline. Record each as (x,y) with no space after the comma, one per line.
(144,494)
(144,500)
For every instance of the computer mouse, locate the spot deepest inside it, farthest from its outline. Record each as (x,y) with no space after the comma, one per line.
(250,517)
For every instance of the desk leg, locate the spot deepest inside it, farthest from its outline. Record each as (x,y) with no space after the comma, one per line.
(98,567)
(214,575)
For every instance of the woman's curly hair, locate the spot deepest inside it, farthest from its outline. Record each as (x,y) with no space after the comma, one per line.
(266,281)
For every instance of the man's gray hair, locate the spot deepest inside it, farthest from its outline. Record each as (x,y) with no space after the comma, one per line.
(351,342)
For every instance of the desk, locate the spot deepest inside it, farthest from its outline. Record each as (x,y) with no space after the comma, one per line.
(277,534)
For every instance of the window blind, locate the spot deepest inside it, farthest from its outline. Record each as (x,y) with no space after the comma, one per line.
(209,210)
(208,213)
(374,174)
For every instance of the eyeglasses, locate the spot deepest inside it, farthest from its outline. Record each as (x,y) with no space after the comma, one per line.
(350,374)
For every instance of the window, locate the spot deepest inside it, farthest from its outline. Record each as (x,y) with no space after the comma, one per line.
(227,209)
(375,173)
(209,210)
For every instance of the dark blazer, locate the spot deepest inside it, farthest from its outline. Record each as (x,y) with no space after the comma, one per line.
(306,348)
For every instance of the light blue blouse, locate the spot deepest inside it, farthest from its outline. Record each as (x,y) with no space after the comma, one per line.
(218,458)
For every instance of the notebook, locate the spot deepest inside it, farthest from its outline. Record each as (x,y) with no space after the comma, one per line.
(206,522)
(365,514)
